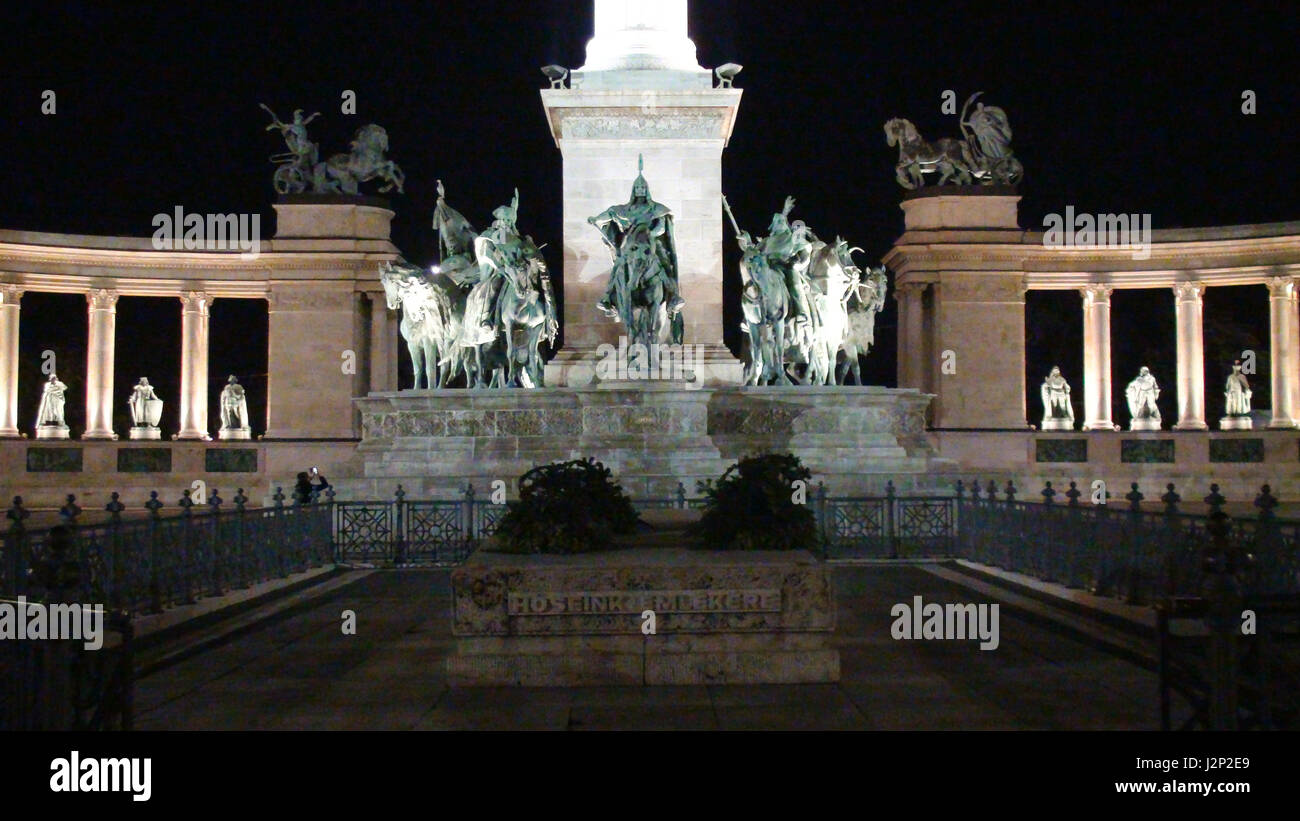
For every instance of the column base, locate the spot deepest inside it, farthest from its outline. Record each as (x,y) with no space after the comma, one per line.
(145,433)
(192,437)
(1282,424)
(1192,425)
(1144,424)
(1236,423)
(107,436)
(51,431)
(1105,425)
(1057,424)
(241,434)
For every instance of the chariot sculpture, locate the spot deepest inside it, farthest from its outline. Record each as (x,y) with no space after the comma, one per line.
(983,155)
(300,168)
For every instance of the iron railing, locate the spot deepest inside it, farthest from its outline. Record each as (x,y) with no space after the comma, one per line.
(125,568)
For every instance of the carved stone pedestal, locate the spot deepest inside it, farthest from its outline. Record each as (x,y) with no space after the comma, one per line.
(242,434)
(51,431)
(146,433)
(1236,423)
(1057,424)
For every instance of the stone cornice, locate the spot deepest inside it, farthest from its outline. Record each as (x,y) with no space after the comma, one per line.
(133,272)
(1233,261)
(641,114)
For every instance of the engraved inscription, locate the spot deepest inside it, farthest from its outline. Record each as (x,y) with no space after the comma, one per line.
(635,602)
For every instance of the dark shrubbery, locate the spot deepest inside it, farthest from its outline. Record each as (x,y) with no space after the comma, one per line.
(752,507)
(566,507)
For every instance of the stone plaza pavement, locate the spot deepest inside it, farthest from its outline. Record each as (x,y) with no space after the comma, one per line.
(295,670)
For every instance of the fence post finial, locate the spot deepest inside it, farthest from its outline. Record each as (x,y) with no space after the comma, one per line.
(961,488)
(240,500)
(1171,500)
(153,504)
(1048,493)
(70,510)
(114,508)
(1134,497)
(1265,501)
(1215,500)
(1073,494)
(1010,490)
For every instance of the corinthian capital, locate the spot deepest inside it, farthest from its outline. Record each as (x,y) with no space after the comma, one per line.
(196,302)
(1096,294)
(1189,291)
(1281,287)
(102,299)
(10,294)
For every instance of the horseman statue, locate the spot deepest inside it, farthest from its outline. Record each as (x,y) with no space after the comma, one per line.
(984,154)
(804,302)
(483,310)
(643,292)
(300,167)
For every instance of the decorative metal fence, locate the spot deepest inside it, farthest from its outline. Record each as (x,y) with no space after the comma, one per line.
(406,532)
(1124,551)
(886,527)
(126,568)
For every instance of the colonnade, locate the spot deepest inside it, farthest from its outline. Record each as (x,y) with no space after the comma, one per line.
(1188,311)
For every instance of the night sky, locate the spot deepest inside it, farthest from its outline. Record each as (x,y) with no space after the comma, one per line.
(1116,107)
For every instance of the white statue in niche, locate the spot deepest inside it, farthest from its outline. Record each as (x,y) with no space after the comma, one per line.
(1236,395)
(234,411)
(146,411)
(1142,394)
(1058,413)
(50,422)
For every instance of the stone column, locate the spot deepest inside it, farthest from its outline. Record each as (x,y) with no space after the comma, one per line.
(1285,358)
(1191,356)
(911,334)
(196,308)
(381,363)
(1096,357)
(100,350)
(10,297)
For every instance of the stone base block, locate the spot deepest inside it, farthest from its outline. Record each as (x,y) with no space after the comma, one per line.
(1144,424)
(51,431)
(1236,423)
(1057,424)
(240,434)
(545,621)
(146,433)
(652,435)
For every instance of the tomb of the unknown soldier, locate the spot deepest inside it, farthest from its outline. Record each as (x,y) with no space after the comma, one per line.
(390,382)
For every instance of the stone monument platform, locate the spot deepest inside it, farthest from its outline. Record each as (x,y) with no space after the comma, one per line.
(651,434)
(719,618)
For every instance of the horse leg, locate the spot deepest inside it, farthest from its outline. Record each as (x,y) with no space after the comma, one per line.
(417,365)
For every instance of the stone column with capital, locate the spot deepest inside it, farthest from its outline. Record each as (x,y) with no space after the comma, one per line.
(1285,359)
(10,299)
(641,94)
(196,308)
(1191,356)
(100,353)
(1096,358)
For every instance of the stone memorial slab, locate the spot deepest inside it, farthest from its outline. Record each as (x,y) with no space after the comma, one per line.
(1061,450)
(144,460)
(1236,450)
(54,460)
(230,460)
(717,617)
(1146,450)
